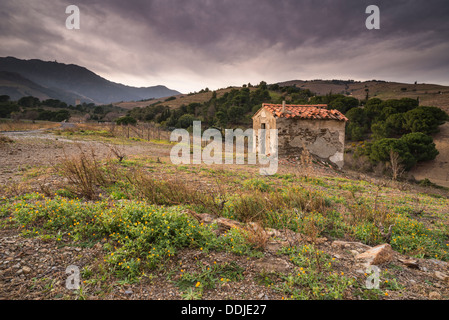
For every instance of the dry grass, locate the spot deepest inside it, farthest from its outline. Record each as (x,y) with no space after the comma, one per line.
(85,173)
(5,140)
(27,126)
(256,235)
(141,131)
(170,192)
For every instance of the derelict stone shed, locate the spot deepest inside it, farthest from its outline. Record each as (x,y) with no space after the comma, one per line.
(319,130)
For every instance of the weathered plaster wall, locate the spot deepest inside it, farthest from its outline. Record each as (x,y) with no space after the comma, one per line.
(323,138)
(269,120)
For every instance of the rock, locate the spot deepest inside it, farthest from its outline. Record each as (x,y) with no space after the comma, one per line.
(438,262)
(411,263)
(441,276)
(291,236)
(257,228)
(348,244)
(273,233)
(434,295)
(206,218)
(275,246)
(311,239)
(321,240)
(227,223)
(267,264)
(26,269)
(129,292)
(377,255)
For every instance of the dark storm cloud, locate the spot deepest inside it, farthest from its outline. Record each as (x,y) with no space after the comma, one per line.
(228,40)
(290,22)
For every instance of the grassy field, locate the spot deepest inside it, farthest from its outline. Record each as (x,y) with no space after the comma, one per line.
(142,221)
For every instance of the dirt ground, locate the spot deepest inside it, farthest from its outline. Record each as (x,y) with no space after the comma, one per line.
(34,149)
(437,170)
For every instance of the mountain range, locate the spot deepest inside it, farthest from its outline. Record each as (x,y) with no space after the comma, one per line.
(68,83)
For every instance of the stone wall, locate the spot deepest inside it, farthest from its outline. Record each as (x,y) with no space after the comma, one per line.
(322,138)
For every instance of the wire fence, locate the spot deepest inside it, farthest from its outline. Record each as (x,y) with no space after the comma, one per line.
(144,131)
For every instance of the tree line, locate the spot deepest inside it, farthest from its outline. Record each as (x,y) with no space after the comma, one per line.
(32,108)
(232,109)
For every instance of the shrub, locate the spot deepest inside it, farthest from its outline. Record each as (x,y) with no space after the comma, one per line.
(185,121)
(358,124)
(421,146)
(5,139)
(257,184)
(380,130)
(343,104)
(126,120)
(380,151)
(424,119)
(395,123)
(85,174)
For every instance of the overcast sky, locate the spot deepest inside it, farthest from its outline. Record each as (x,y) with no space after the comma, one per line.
(188,45)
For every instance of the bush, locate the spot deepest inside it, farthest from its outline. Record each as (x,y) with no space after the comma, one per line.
(355,132)
(85,174)
(257,184)
(380,151)
(344,104)
(186,121)
(411,148)
(126,120)
(421,146)
(424,119)
(395,123)
(380,130)
(378,110)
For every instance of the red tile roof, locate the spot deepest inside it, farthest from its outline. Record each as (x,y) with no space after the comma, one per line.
(316,111)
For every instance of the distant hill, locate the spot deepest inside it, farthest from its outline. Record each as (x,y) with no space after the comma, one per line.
(16,86)
(180,99)
(68,82)
(428,94)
